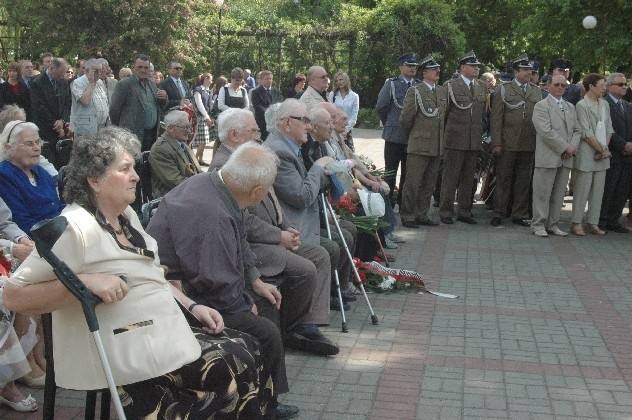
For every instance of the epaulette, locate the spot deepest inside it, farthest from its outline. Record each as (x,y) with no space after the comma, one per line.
(417,80)
(392,79)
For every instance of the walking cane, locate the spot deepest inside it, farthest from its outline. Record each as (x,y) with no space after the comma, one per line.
(45,234)
(327,205)
(338,292)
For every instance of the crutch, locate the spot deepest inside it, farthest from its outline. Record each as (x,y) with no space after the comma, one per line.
(338,292)
(45,234)
(327,205)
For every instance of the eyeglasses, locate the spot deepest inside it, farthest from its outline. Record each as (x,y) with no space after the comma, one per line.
(622,84)
(559,85)
(31,144)
(69,72)
(304,120)
(253,132)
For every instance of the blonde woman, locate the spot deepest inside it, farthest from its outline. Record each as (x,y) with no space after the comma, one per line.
(344,98)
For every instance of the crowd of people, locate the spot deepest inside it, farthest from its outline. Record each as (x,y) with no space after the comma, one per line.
(240,261)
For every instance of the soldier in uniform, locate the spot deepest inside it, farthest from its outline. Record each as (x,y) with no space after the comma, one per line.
(463,129)
(513,142)
(389,107)
(422,121)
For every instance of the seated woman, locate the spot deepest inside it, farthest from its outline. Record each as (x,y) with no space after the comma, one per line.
(163,368)
(26,187)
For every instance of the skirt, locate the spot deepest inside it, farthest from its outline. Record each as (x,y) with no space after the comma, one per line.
(228,381)
(202,134)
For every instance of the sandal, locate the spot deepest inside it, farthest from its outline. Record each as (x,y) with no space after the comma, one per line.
(28,404)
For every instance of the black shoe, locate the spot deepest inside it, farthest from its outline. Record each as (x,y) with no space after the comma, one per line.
(348,296)
(202,163)
(410,225)
(334,305)
(521,222)
(284,411)
(468,220)
(307,337)
(446,220)
(496,221)
(427,222)
(616,228)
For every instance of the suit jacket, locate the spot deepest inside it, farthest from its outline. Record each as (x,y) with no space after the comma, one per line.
(49,105)
(297,189)
(21,99)
(425,133)
(622,125)
(260,101)
(170,166)
(555,130)
(127,109)
(513,128)
(587,120)
(389,107)
(464,127)
(173,94)
(311,98)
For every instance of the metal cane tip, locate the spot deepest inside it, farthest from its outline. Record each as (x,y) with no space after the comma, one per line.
(49,230)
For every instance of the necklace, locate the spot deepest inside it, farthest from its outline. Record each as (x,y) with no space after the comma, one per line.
(118,232)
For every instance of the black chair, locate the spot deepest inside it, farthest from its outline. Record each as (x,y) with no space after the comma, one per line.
(63,150)
(61,182)
(148,210)
(50,387)
(143,188)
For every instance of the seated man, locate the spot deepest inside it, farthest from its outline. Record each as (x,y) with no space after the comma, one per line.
(201,235)
(171,159)
(279,252)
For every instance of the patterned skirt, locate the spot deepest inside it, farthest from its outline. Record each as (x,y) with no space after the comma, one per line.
(202,134)
(228,381)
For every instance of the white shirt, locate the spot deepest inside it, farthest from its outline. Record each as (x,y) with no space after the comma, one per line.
(350,104)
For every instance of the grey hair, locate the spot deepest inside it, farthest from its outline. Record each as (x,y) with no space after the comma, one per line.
(251,165)
(270,117)
(11,136)
(11,113)
(175,117)
(90,63)
(318,115)
(613,76)
(103,61)
(92,156)
(57,62)
(287,108)
(310,72)
(231,119)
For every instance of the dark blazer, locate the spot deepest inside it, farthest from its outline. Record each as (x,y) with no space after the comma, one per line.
(622,125)
(49,105)
(173,94)
(261,100)
(21,99)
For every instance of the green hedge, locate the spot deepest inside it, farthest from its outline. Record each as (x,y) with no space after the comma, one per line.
(368,118)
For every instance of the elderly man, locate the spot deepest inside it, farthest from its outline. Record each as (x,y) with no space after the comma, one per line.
(89,112)
(250,81)
(513,142)
(171,159)
(619,176)
(201,235)
(316,91)
(109,83)
(463,129)
(562,67)
(136,103)
(51,103)
(26,72)
(304,268)
(178,90)
(262,97)
(557,138)
(389,107)
(422,120)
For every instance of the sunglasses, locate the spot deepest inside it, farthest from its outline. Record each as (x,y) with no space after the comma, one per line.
(559,85)
(619,84)
(178,68)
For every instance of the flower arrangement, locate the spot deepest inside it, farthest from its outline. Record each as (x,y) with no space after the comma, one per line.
(346,209)
(380,279)
(5,264)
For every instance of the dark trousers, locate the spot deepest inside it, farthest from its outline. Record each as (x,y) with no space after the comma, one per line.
(394,154)
(458,172)
(148,140)
(269,338)
(513,180)
(615,193)
(337,254)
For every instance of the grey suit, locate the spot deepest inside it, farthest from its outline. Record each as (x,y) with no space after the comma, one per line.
(556,129)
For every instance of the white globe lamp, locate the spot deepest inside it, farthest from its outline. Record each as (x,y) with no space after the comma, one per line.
(589,22)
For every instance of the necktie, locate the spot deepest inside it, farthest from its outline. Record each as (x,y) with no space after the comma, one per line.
(524,88)
(560,104)
(472,88)
(181,88)
(409,84)
(276,205)
(54,83)
(186,153)
(620,103)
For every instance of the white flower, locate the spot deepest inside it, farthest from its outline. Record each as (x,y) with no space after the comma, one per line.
(387,283)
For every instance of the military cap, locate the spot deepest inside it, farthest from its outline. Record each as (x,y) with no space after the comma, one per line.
(545,79)
(428,63)
(521,62)
(562,63)
(409,59)
(535,65)
(470,58)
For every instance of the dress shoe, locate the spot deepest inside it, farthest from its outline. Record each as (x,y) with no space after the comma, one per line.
(28,404)
(202,163)
(427,222)
(285,412)
(410,225)
(596,230)
(496,221)
(521,222)
(308,338)
(557,231)
(468,220)
(348,296)
(446,220)
(541,233)
(577,229)
(334,305)
(616,228)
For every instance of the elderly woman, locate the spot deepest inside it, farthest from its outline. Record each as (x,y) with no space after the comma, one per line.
(163,368)
(344,98)
(26,187)
(233,95)
(592,158)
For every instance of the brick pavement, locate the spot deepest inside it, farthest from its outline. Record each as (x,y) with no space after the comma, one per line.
(541,329)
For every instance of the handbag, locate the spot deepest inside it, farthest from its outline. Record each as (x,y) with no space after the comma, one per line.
(372,203)
(600,130)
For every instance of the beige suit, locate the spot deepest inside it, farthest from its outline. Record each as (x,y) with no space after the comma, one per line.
(311,98)
(556,129)
(424,130)
(463,131)
(511,128)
